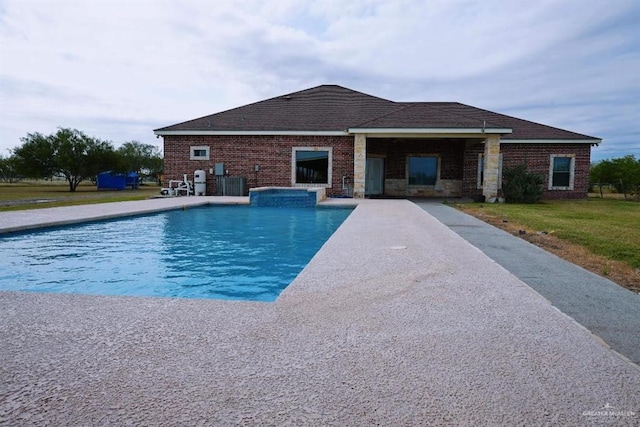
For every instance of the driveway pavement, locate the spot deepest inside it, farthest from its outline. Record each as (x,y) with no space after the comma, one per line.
(602,306)
(397,320)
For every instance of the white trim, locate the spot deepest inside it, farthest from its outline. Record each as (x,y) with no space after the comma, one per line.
(572,170)
(438,131)
(350,131)
(252,132)
(193,148)
(550,141)
(329,167)
(427,135)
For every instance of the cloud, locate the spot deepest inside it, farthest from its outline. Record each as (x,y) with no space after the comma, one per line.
(126,67)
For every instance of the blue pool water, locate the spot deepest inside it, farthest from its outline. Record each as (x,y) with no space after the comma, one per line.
(223,252)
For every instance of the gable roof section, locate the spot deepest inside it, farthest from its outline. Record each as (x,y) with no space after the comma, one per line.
(524,130)
(424,116)
(323,108)
(335,110)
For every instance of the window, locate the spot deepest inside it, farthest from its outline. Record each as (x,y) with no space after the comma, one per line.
(199,152)
(561,172)
(423,170)
(481,171)
(312,165)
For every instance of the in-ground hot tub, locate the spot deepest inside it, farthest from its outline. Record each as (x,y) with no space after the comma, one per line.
(286,196)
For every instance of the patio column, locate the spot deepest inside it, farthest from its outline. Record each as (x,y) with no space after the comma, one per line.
(491,167)
(359,165)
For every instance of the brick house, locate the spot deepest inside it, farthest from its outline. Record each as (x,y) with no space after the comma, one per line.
(356,144)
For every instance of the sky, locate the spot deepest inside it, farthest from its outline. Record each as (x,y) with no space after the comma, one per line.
(117,69)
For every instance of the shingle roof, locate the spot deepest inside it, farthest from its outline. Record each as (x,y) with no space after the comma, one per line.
(423,115)
(322,108)
(335,108)
(522,129)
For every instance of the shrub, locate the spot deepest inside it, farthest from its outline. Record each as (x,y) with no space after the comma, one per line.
(521,186)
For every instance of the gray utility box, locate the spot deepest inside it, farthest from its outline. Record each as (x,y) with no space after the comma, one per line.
(231,186)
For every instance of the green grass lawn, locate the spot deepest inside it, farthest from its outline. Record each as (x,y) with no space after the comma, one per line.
(39,194)
(606,227)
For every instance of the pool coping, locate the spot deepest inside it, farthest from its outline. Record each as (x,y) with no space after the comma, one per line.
(396,320)
(23,220)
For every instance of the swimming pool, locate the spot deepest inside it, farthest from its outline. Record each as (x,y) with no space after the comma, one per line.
(222,252)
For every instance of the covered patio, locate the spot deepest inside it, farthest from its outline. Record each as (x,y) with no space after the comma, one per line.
(424,163)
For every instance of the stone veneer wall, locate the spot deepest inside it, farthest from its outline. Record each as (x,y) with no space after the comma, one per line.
(537,158)
(240,153)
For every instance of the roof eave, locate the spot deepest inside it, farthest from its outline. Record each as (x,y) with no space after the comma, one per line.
(430,131)
(592,141)
(161,132)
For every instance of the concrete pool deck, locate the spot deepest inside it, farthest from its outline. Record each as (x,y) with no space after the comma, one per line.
(602,306)
(396,321)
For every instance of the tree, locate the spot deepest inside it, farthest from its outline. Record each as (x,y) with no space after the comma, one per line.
(68,152)
(35,158)
(521,186)
(156,168)
(601,173)
(623,173)
(9,169)
(145,159)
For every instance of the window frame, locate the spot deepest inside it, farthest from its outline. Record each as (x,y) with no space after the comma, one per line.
(408,170)
(194,148)
(572,169)
(328,184)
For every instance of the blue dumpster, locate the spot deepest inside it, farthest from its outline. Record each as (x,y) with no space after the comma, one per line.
(117,181)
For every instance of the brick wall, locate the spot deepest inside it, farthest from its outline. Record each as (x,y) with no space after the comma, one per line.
(273,153)
(537,159)
(240,153)
(470,165)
